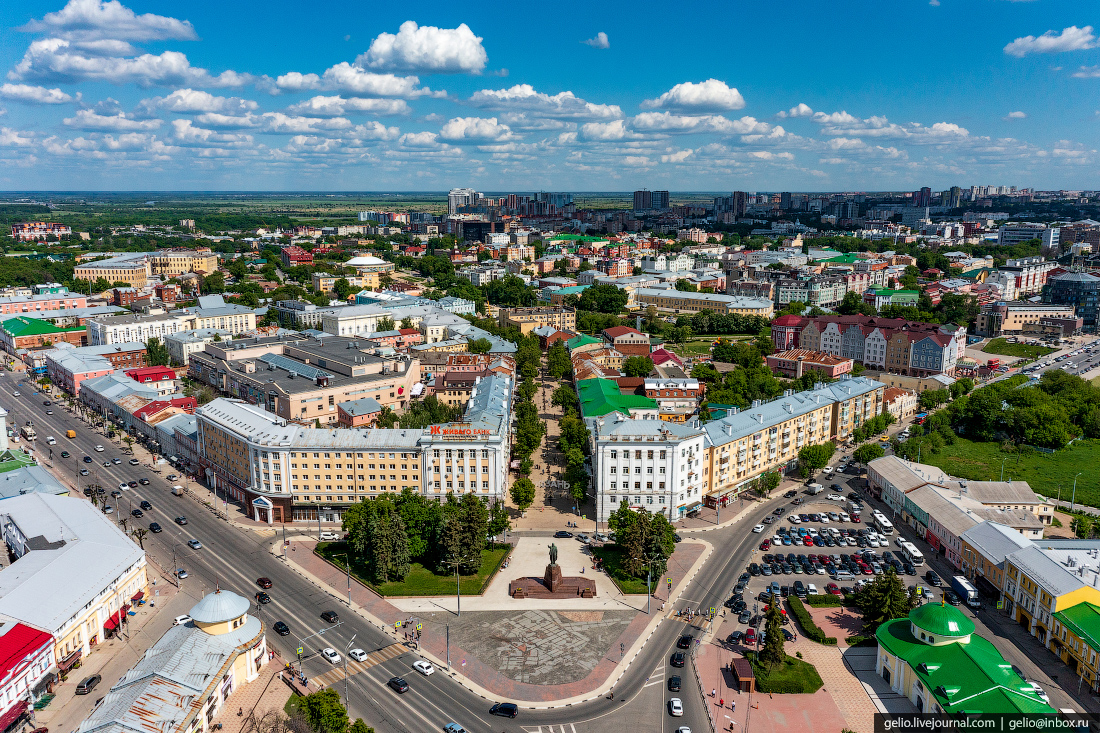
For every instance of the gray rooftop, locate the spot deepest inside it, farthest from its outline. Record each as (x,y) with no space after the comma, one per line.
(994,541)
(364,406)
(1049,573)
(30,480)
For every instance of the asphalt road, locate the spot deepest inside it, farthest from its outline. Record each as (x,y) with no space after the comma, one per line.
(233,558)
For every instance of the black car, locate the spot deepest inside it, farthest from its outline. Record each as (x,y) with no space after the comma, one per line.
(744,578)
(754,569)
(331,616)
(145,505)
(788,635)
(398,685)
(47,403)
(143,481)
(950,597)
(137,513)
(505,709)
(677,659)
(561,534)
(677,538)
(181,521)
(132,484)
(779,511)
(281,629)
(684,642)
(64,454)
(114,494)
(87,459)
(790,494)
(155,528)
(909,568)
(933,579)
(835,487)
(674,683)
(263,598)
(735,637)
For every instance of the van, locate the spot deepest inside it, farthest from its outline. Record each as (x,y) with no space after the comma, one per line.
(799,589)
(177,490)
(811,589)
(814,489)
(70,433)
(843,576)
(88,684)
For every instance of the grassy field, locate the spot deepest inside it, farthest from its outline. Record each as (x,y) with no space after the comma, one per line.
(420,581)
(702,345)
(612,559)
(1026,351)
(1044,472)
(795,676)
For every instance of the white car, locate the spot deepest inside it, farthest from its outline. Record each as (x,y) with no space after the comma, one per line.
(330,654)
(683,729)
(758,529)
(50,440)
(358,655)
(835,497)
(676,708)
(180,620)
(329,536)
(825,519)
(1039,691)
(99,449)
(793,519)
(123,486)
(844,517)
(424,667)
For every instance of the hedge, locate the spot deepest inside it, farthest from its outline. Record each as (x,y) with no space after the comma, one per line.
(826,600)
(809,629)
(858,640)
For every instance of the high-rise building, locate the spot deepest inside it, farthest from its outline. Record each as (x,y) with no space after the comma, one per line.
(736,204)
(643,200)
(785,200)
(922,197)
(461,197)
(659,200)
(953,198)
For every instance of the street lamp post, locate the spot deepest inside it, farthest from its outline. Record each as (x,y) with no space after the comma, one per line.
(1073,497)
(1003,467)
(351,641)
(347,567)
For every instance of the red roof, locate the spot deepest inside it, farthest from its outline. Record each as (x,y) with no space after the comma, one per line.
(618,331)
(407,331)
(20,643)
(789,320)
(151,374)
(660,356)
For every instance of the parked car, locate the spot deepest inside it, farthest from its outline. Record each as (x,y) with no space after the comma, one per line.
(88,684)
(561,534)
(180,620)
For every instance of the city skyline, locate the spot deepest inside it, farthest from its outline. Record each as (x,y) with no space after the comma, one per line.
(101,95)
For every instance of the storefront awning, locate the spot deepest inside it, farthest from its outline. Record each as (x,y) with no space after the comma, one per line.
(67,663)
(693,507)
(12,714)
(112,622)
(137,596)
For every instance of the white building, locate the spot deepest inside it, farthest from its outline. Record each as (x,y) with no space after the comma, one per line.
(355,320)
(121,329)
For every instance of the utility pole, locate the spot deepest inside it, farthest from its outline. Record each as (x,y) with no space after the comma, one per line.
(1073,498)
(351,641)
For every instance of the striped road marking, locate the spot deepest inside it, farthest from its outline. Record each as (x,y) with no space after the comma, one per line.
(373,659)
(550,729)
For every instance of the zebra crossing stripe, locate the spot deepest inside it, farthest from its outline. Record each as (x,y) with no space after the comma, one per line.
(373,659)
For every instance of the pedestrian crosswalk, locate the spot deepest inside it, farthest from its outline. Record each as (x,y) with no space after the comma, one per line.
(336,674)
(557,728)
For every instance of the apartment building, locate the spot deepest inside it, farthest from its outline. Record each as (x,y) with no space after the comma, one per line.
(67,370)
(16,305)
(684,302)
(181,345)
(1008,318)
(892,344)
(134,270)
(528,319)
(284,472)
(796,362)
(627,340)
(175,262)
(901,403)
(326,283)
(823,292)
(354,320)
(39,230)
(122,356)
(111,330)
(294,255)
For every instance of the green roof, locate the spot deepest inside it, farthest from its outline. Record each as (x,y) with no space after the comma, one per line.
(13,459)
(581,340)
(571,290)
(22,326)
(941,620)
(969,677)
(576,238)
(973,274)
(601,396)
(849,259)
(1083,620)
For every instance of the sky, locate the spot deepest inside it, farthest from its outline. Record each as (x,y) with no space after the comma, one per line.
(851,95)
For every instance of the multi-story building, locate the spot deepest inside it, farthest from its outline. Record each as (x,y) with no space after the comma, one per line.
(677,301)
(1028,274)
(67,370)
(1020,232)
(105,331)
(1079,290)
(796,362)
(39,230)
(26,664)
(176,262)
(362,413)
(528,319)
(355,320)
(892,344)
(901,403)
(134,270)
(299,313)
(786,331)
(53,538)
(21,332)
(823,292)
(294,255)
(181,345)
(484,275)
(326,283)
(627,340)
(16,305)
(1015,317)
(285,473)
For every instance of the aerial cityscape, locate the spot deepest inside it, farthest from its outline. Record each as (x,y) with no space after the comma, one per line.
(405,373)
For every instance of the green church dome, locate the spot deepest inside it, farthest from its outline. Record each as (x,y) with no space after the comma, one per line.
(941,620)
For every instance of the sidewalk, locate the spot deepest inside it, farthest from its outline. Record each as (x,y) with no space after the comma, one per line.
(267,693)
(478,676)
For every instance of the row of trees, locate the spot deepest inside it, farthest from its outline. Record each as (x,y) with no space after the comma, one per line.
(873,427)
(647,539)
(572,441)
(388,533)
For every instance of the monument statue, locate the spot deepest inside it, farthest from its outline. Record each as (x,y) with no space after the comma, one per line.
(553,554)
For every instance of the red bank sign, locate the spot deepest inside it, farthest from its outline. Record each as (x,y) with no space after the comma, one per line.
(440,430)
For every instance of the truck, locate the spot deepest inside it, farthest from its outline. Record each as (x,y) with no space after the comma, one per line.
(966,591)
(70,433)
(814,489)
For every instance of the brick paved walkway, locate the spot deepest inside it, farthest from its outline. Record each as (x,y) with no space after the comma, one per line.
(481,676)
(264,694)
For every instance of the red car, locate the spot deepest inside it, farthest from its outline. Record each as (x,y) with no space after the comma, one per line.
(808,541)
(766,545)
(750,637)
(833,589)
(855,518)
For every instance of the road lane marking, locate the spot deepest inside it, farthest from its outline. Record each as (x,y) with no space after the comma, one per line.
(374,658)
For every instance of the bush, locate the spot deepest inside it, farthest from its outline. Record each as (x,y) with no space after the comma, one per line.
(858,640)
(809,629)
(793,677)
(826,600)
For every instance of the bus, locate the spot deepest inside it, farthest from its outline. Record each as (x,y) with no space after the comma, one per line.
(881,523)
(910,552)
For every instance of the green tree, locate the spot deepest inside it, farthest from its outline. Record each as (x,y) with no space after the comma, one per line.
(686,286)
(479,346)
(868,452)
(557,360)
(523,493)
(213,283)
(386,324)
(499,523)
(882,600)
(406,322)
(360,727)
(603,298)
(815,457)
(638,366)
(343,288)
(324,712)
(156,353)
(772,653)
(563,396)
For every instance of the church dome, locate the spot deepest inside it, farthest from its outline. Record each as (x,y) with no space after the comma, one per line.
(219,607)
(940,621)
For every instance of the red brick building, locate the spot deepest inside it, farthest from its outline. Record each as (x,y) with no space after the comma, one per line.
(124,297)
(295,255)
(796,362)
(786,331)
(168,292)
(627,340)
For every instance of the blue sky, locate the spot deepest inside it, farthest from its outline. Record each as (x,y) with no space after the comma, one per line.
(248,95)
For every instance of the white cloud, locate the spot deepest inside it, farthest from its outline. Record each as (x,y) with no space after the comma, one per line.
(710,95)
(426,49)
(294,81)
(1015,116)
(34,94)
(86,119)
(1070,39)
(186,132)
(842,124)
(196,101)
(15,138)
(96,19)
(337,105)
(354,79)
(563,105)
(604,130)
(670,123)
(374,130)
(419,140)
(677,156)
(223,121)
(835,118)
(599,41)
(769,155)
(475,129)
(57,60)
(800,110)
(1087,72)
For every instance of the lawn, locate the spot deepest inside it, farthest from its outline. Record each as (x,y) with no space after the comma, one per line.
(702,345)
(793,677)
(612,556)
(420,581)
(1044,472)
(1026,351)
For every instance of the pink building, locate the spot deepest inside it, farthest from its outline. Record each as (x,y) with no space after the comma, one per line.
(44,302)
(67,370)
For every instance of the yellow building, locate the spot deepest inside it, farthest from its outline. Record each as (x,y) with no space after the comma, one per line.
(53,537)
(1040,582)
(134,271)
(1075,639)
(326,283)
(175,262)
(528,319)
(190,674)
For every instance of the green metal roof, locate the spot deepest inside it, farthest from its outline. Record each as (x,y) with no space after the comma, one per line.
(570,290)
(969,677)
(22,326)
(10,460)
(940,619)
(1083,620)
(601,396)
(581,340)
(849,259)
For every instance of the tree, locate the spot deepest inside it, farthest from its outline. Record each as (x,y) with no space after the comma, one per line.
(386,324)
(868,452)
(853,304)
(156,353)
(213,283)
(324,712)
(406,322)
(772,653)
(360,727)
(343,288)
(815,457)
(479,346)
(603,298)
(139,534)
(883,599)
(931,398)
(686,286)
(523,493)
(638,366)
(557,360)
(499,523)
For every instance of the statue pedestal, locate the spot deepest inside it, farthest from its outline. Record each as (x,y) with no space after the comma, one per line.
(552,579)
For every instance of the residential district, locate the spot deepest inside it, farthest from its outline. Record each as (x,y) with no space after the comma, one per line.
(757,391)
